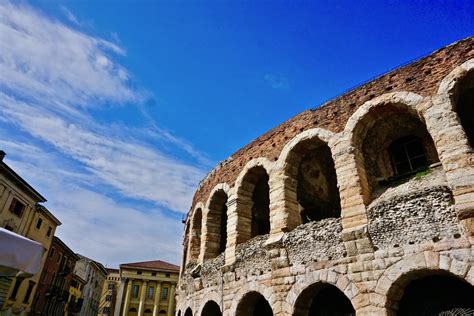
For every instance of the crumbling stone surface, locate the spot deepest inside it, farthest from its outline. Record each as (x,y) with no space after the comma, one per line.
(420,216)
(315,241)
(252,257)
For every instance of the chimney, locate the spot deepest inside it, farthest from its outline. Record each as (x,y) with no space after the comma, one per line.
(2,155)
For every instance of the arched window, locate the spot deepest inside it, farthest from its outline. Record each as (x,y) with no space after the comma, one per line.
(432,293)
(254,304)
(464,105)
(211,308)
(216,225)
(312,180)
(162,312)
(147,311)
(407,155)
(323,299)
(188,312)
(195,246)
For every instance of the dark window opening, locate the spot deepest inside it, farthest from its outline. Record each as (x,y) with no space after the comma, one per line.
(135,290)
(223,234)
(407,155)
(16,287)
(50,230)
(317,192)
(31,285)
(38,223)
(437,295)
(188,312)
(211,309)
(465,110)
(261,205)
(16,207)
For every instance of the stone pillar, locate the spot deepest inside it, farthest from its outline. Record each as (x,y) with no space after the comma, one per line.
(171,300)
(455,154)
(118,302)
(156,302)
(127,297)
(354,194)
(234,221)
(141,305)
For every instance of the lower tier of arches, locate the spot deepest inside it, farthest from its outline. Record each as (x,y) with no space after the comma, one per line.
(426,279)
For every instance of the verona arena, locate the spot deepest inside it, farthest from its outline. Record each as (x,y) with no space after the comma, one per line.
(364,205)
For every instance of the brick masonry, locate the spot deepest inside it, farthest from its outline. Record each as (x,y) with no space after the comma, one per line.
(385,236)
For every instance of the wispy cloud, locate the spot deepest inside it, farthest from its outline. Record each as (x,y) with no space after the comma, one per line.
(68,14)
(52,78)
(277,80)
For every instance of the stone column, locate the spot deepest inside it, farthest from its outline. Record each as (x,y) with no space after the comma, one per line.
(118,302)
(156,302)
(171,300)
(127,298)
(141,305)
(233,223)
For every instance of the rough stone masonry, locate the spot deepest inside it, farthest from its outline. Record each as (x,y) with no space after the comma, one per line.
(397,225)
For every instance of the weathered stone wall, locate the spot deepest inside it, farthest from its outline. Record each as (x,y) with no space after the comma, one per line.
(385,237)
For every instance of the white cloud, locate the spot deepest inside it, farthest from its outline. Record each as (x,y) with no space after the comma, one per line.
(52,78)
(277,80)
(71,17)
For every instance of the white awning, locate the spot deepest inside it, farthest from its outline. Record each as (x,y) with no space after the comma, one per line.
(18,254)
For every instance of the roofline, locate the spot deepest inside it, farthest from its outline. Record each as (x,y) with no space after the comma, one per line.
(43,209)
(79,278)
(125,265)
(100,267)
(62,244)
(20,181)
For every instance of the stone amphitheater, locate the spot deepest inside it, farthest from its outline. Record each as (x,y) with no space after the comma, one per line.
(364,205)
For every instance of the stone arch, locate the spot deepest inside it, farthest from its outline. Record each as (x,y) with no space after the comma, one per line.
(196,233)
(207,297)
(252,189)
(309,176)
(188,312)
(321,277)
(185,246)
(458,86)
(390,285)
(211,308)
(251,287)
(215,222)
(390,140)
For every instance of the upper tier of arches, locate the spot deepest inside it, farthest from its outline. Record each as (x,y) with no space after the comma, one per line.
(321,174)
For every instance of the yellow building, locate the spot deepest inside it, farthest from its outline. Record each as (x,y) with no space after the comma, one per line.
(147,289)
(21,213)
(108,300)
(74,302)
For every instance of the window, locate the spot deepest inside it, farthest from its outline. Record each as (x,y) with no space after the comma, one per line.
(59,257)
(150,292)
(31,285)
(135,290)
(8,227)
(111,286)
(51,253)
(407,155)
(15,288)
(50,230)
(164,294)
(108,298)
(153,274)
(16,207)
(38,223)
(167,275)
(139,272)
(106,310)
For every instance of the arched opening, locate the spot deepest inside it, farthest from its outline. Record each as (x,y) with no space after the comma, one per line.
(253,205)
(179,313)
(162,312)
(217,225)
(392,145)
(188,312)
(431,293)
(464,105)
(311,167)
(254,304)
(147,311)
(211,309)
(132,311)
(323,299)
(185,247)
(195,246)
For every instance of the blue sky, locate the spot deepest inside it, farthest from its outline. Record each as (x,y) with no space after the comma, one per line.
(114,110)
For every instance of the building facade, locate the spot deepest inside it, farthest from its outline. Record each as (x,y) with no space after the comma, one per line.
(364,205)
(147,289)
(95,274)
(108,300)
(75,300)
(21,213)
(52,294)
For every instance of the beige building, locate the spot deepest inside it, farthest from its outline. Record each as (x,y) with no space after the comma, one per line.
(109,293)
(95,275)
(21,213)
(361,206)
(147,289)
